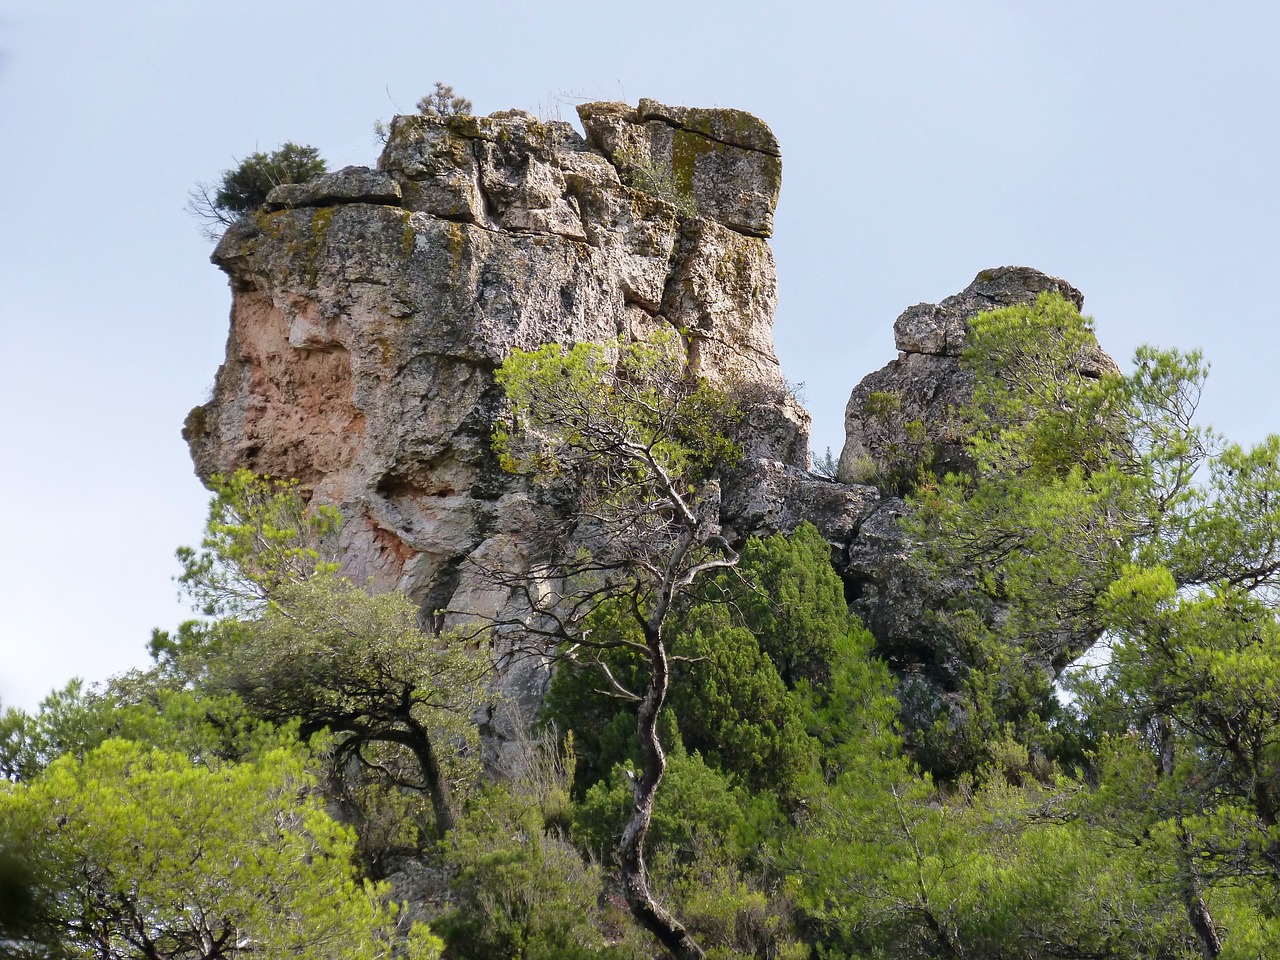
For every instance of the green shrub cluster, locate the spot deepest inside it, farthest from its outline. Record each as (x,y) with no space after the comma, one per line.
(297,775)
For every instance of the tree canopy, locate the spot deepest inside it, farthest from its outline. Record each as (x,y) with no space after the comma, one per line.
(136,853)
(720,768)
(637,436)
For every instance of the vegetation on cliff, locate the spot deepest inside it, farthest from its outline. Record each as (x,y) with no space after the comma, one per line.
(719,768)
(244,188)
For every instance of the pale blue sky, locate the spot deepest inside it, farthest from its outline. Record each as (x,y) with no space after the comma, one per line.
(1130,147)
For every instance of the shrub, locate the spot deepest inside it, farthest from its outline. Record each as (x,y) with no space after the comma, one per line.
(245,188)
(443,102)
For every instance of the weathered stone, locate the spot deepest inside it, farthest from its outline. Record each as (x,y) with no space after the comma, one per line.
(348,185)
(768,496)
(905,413)
(436,168)
(736,128)
(899,418)
(364,337)
(941,328)
(726,161)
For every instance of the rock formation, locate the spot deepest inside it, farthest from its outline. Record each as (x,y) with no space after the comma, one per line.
(898,411)
(371,307)
(898,419)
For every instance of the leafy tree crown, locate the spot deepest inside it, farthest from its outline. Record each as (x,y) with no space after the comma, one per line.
(244,188)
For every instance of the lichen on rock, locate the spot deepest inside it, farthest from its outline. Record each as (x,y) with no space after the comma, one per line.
(370,309)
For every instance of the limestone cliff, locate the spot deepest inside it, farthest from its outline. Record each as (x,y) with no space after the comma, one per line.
(371,307)
(898,417)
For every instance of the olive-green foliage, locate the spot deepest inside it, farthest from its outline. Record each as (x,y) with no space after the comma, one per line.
(299,643)
(1043,525)
(790,597)
(331,653)
(695,800)
(139,853)
(853,715)
(779,617)
(704,836)
(742,746)
(337,658)
(579,701)
(173,809)
(1100,506)
(443,102)
(1186,848)
(889,864)
(70,720)
(903,460)
(1043,522)
(245,188)
(633,438)
(260,535)
(612,405)
(733,706)
(730,705)
(141,707)
(734,914)
(1006,698)
(1195,672)
(522,890)
(892,866)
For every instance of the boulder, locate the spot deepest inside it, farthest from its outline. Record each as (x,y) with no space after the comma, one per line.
(348,185)
(725,161)
(904,414)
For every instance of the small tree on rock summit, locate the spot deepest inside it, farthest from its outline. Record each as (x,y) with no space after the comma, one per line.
(245,188)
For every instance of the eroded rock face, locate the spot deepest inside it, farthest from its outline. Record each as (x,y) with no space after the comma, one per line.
(893,416)
(726,160)
(371,308)
(907,408)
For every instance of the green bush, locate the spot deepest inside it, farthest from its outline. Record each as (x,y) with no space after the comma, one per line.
(521,891)
(443,102)
(245,188)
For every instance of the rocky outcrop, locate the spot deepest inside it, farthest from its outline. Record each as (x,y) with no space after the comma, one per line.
(726,161)
(898,419)
(905,413)
(371,308)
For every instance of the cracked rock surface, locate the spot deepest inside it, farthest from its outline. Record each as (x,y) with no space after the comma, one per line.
(896,411)
(370,309)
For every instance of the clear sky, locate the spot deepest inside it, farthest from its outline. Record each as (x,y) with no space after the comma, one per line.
(1128,146)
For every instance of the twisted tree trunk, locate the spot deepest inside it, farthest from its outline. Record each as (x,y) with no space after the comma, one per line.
(653,763)
(1198,915)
